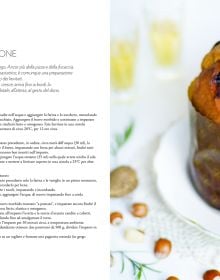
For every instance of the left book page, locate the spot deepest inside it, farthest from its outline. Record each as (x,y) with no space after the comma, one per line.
(54,123)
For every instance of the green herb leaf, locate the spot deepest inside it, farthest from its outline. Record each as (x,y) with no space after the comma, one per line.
(128,131)
(134,268)
(150,268)
(122,262)
(121,139)
(139,276)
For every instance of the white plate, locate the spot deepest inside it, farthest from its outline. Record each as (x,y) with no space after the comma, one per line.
(174,183)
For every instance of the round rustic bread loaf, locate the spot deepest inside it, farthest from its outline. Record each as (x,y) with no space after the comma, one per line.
(123,180)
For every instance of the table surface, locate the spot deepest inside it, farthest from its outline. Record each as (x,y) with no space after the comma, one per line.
(159,104)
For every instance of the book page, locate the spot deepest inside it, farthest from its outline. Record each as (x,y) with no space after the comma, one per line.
(54,140)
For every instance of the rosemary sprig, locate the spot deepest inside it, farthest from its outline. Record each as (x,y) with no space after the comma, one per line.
(121,138)
(139,269)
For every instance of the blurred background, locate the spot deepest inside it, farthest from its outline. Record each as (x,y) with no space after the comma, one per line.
(156,51)
(164,35)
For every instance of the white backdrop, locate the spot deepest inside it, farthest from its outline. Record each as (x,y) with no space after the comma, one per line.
(160,104)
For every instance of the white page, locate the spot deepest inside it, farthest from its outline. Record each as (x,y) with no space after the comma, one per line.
(74,35)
